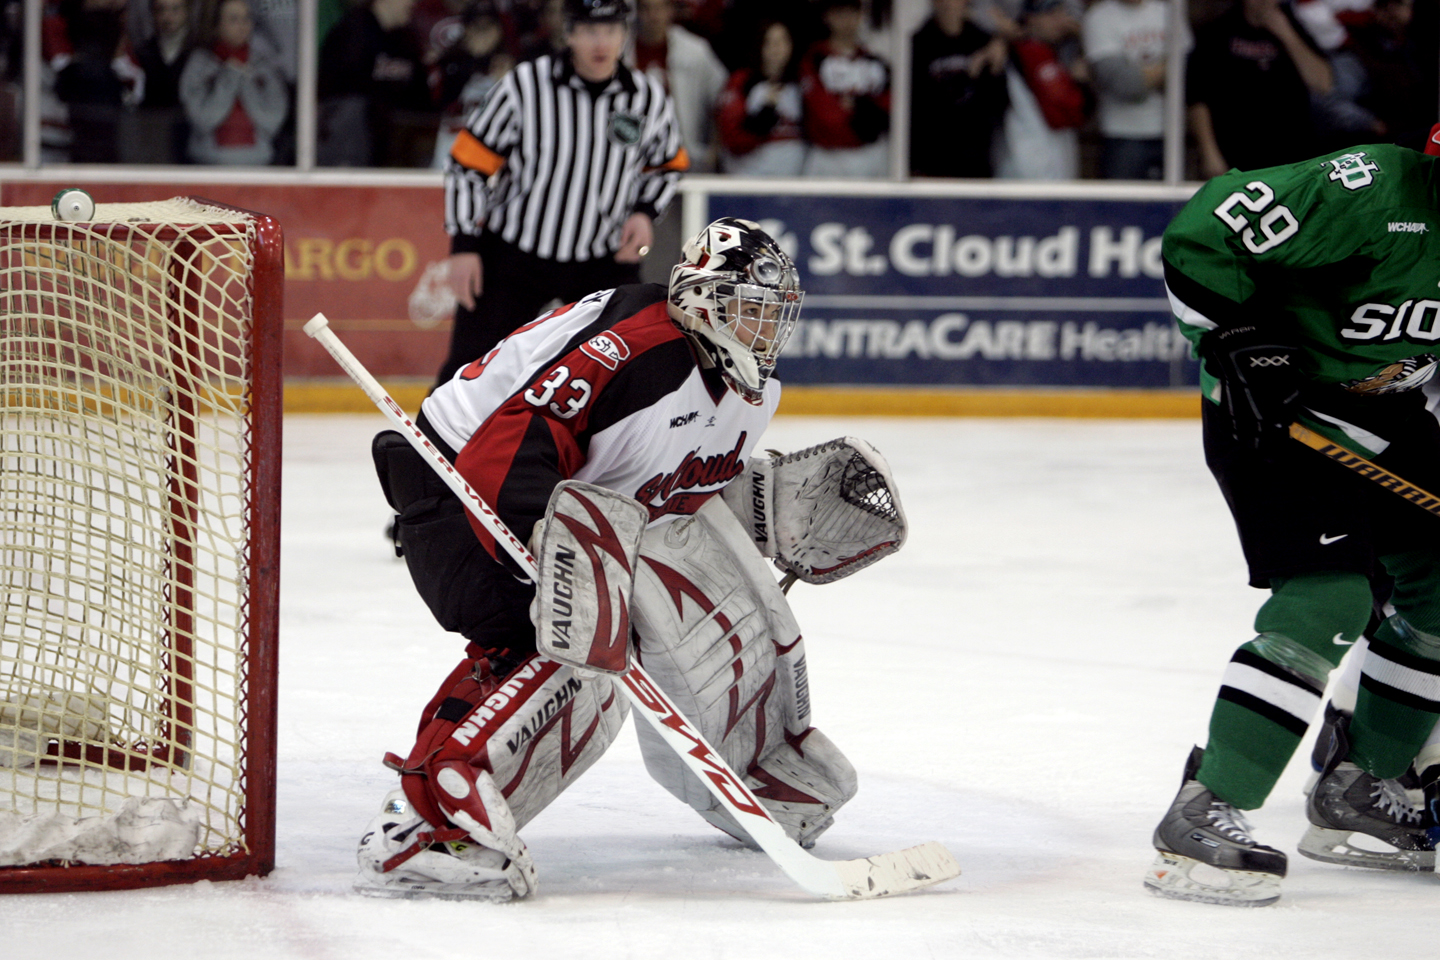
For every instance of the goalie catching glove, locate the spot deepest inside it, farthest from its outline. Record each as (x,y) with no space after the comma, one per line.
(821,513)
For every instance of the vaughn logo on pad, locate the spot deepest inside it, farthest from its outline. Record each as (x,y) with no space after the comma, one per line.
(586,556)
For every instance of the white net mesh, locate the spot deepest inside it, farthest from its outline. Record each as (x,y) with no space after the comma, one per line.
(125,450)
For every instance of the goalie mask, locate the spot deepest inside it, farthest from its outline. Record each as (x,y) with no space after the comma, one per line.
(739,294)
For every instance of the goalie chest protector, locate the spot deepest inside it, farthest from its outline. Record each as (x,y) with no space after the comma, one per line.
(607,390)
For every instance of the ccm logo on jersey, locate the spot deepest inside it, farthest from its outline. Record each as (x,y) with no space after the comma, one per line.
(607,348)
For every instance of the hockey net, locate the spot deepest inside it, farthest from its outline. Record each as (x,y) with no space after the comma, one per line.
(139,543)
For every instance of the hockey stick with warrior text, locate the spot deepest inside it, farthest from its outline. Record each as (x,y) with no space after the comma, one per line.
(878,876)
(1350,459)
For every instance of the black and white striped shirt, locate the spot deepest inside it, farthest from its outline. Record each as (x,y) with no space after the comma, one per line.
(555,169)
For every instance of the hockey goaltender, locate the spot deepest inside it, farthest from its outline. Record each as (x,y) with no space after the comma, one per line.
(661,395)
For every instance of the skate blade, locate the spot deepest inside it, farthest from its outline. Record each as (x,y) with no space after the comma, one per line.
(497,891)
(1170,876)
(1334,846)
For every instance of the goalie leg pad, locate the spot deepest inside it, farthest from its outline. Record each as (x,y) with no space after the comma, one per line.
(534,732)
(496,752)
(801,781)
(716,633)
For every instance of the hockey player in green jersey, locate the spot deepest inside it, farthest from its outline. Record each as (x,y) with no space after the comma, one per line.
(1312,292)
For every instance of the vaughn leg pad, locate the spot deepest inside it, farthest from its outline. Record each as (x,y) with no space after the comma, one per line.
(497,751)
(716,633)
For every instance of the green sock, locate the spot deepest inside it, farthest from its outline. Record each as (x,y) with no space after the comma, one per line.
(1273,684)
(1399,698)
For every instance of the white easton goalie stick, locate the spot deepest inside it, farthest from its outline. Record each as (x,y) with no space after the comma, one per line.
(878,876)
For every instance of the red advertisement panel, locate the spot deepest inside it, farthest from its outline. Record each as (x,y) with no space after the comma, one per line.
(354,253)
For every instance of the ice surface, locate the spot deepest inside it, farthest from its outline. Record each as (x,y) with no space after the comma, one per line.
(1022,682)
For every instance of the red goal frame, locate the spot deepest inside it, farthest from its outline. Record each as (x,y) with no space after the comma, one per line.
(258,660)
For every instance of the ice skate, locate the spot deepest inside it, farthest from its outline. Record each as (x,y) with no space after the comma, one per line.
(1429,780)
(401,855)
(1328,741)
(1205,851)
(1362,821)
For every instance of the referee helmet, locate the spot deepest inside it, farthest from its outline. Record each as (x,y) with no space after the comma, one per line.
(739,295)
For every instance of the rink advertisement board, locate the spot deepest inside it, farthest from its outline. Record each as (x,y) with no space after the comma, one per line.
(956,284)
(985,291)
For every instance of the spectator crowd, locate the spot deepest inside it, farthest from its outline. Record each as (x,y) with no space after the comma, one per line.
(1022,89)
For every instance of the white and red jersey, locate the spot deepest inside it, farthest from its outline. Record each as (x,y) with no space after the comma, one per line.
(607,390)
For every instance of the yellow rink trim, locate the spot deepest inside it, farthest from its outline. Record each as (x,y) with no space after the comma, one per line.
(323,396)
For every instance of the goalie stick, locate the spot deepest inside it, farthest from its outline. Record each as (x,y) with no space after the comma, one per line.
(1349,458)
(877,876)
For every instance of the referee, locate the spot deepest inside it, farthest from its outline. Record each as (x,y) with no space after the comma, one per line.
(552,188)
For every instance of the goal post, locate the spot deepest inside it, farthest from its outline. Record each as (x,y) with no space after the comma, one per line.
(140,366)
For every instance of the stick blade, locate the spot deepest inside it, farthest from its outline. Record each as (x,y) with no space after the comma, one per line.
(900,872)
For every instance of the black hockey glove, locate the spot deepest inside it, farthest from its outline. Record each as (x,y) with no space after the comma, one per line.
(1261,382)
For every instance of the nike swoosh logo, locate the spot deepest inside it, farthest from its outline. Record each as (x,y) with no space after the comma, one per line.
(1339,642)
(1326,541)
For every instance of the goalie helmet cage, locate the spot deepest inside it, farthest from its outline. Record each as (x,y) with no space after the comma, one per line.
(140,364)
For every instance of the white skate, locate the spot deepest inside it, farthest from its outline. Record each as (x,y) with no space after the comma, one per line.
(401,855)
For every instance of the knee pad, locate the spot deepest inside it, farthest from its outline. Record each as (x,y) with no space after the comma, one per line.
(1417,587)
(499,749)
(716,634)
(1311,609)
